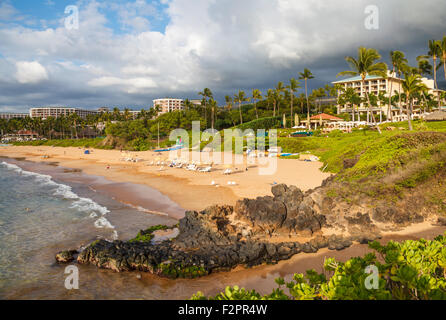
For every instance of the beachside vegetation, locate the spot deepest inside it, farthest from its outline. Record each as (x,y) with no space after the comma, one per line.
(410,270)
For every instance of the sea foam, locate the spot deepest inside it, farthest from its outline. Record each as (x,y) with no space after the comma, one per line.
(61,190)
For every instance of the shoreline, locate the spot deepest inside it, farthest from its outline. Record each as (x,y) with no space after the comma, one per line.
(183,187)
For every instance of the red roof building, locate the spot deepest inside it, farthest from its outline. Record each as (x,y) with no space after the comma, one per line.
(326,117)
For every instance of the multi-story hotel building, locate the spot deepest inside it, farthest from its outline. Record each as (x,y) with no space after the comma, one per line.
(7,115)
(375,85)
(59,111)
(168,105)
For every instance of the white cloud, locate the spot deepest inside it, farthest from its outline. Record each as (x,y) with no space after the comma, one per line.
(132,85)
(30,72)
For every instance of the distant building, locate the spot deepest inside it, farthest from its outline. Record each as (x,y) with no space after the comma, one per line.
(376,85)
(56,112)
(133,114)
(196,102)
(321,120)
(103,110)
(22,135)
(11,115)
(326,101)
(168,105)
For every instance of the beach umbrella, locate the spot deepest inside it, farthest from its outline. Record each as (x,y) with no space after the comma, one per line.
(284,120)
(296,120)
(320,120)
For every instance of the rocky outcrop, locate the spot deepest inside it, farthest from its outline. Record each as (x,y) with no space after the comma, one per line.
(66,256)
(254,231)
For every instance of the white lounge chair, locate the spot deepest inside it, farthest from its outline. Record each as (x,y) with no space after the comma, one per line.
(207,169)
(191,167)
(227,171)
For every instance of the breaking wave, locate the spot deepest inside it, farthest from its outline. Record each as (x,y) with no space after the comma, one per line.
(87,205)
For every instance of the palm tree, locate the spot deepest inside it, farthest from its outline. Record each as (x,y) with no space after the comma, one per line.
(256,95)
(240,98)
(187,105)
(293,86)
(412,85)
(435,52)
(366,65)
(228,100)
(351,97)
(318,94)
(213,105)
(443,54)
(306,75)
(269,97)
(424,66)
(126,114)
(206,93)
(398,59)
(279,89)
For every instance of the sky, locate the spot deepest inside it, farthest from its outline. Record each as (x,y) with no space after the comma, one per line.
(92,53)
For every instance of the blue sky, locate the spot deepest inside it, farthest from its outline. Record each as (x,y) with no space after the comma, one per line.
(127,53)
(40,14)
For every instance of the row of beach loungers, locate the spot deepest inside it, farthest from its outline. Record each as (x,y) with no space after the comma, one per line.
(179,164)
(185,165)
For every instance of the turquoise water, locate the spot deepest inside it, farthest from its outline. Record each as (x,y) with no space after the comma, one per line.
(41,215)
(37,213)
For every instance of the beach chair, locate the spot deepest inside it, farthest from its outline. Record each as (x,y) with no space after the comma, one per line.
(191,167)
(227,172)
(207,169)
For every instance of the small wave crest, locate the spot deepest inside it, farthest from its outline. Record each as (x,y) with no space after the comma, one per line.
(61,190)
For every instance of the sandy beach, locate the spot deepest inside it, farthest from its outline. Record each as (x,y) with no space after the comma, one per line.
(191,190)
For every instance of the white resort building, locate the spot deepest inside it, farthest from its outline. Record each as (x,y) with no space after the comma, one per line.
(13,115)
(168,105)
(375,85)
(59,111)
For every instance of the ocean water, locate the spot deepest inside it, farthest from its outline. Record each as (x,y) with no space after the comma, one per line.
(41,215)
(37,212)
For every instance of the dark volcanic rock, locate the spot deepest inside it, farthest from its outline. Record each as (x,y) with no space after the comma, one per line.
(441,221)
(222,237)
(66,256)
(361,219)
(391,214)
